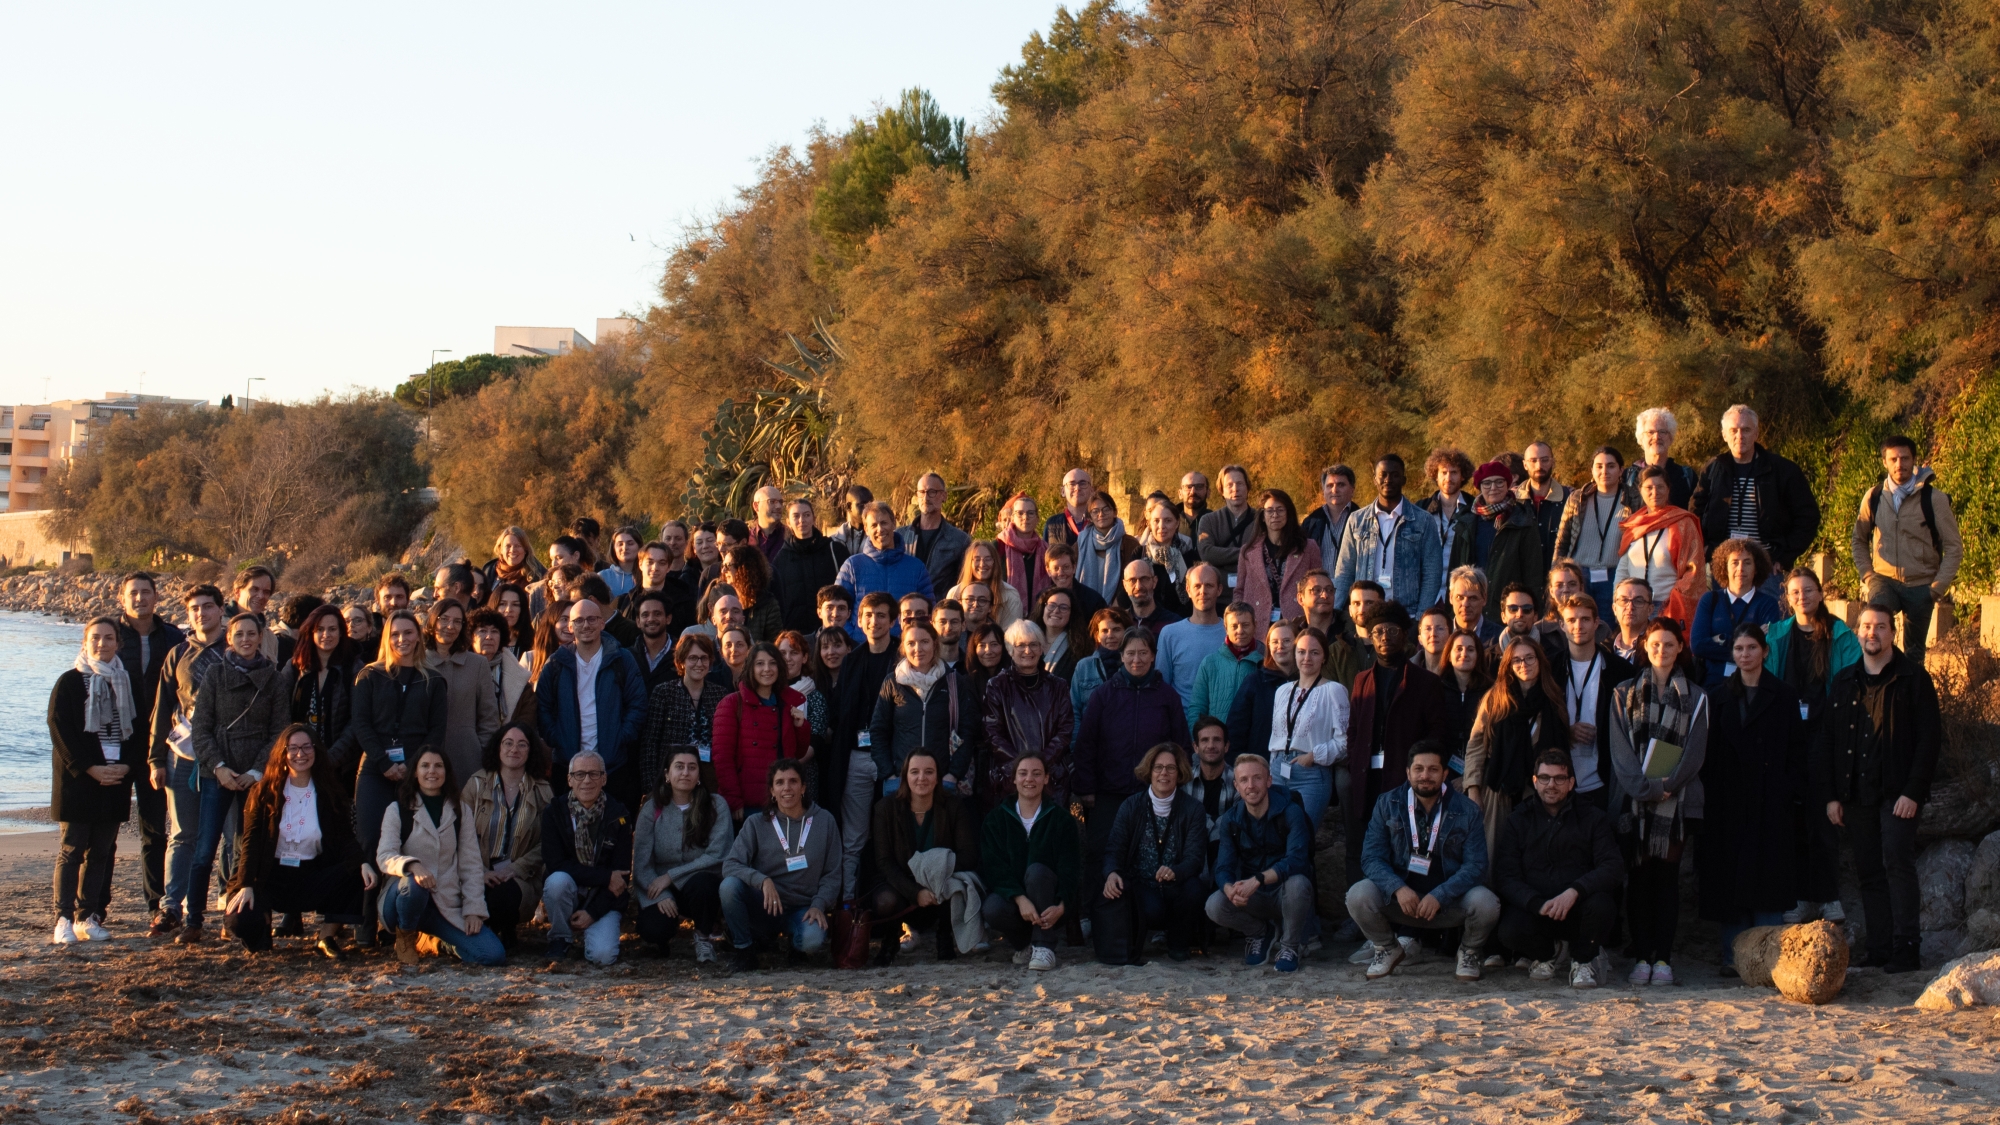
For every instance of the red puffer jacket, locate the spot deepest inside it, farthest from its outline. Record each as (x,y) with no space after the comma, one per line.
(750,734)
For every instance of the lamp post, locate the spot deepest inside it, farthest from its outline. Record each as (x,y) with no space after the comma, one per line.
(246,390)
(430,383)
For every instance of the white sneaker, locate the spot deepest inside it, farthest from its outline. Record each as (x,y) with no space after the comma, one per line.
(1495,961)
(1468,963)
(1386,958)
(1021,956)
(90,930)
(704,949)
(1412,949)
(1833,911)
(909,942)
(1642,973)
(1542,970)
(1363,955)
(1582,974)
(1663,973)
(1043,959)
(65,933)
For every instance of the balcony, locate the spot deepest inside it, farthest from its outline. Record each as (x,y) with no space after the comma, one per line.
(24,487)
(29,461)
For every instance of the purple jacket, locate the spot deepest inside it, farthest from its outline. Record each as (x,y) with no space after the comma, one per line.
(1120,723)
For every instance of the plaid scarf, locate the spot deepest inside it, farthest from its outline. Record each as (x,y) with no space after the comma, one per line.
(1498,513)
(1665,714)
(588,819)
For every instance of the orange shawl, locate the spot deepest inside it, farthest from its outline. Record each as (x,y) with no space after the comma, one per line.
(1682,533)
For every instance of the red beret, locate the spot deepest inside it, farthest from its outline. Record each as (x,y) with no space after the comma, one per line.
(1492,469)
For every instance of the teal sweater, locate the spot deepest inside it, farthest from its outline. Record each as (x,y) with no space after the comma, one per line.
(1216,683)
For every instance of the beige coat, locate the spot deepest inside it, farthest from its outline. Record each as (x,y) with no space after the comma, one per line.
(482,797)
(1896,545)
(449,852)
(474,715)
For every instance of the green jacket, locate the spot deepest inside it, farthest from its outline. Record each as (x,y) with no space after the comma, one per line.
(1006,849)
(1846,649)
(1216,683)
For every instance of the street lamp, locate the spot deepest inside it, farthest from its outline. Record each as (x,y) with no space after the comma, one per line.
(246,390)
(430,382)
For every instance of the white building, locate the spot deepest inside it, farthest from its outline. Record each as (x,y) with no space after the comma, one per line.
(509,340)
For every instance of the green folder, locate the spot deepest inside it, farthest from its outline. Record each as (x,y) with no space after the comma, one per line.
(1662,759)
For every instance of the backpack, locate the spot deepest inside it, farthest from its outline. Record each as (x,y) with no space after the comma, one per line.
(1924,501)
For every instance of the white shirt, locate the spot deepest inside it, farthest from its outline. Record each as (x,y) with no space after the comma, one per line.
(1385,563)
(1581,697)
(298,825)
(586,701)
(1315,724)
(1027,822)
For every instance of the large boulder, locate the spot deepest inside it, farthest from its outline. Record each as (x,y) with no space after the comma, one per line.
(1941,876)
(1982,879)
(1939,946)
(1812,963)
(1982,928)
(1757,950)
(1972,980)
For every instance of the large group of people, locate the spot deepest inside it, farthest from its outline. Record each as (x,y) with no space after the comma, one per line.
(1520,705)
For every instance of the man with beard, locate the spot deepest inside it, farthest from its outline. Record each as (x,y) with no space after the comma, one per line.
(807,563)
(1425,858)
(1396,704)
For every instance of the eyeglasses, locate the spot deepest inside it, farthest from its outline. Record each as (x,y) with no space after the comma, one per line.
(930,492)
(1631,601)
(1549,779)
(586,775)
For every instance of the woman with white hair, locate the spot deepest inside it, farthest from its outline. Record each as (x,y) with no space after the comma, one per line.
(1027,711)
(1656,431)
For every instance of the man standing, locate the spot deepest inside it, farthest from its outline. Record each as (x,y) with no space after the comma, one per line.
(1185,644)
(1223,672)
(1656,430)
(1591,518)
(1263,869)
(1390,544)
(1748,492)
(1632,605)
(1449,470)
(1221,536)
(1543,495)
(853,534)
(144,640)
(1519,621)
(1906,544)
(1873,759)
(883,566)
(1140,584)
(1557,869)
(171,760)
(1587,677)
(1396,704)
(1468,604)
(683,574)
(768,532)
(806,563)
(1067,525)
(1059,563)
(590,696)
(1194,500)
(948,621)
(1347,652)
(253,590)
(656,644)
(1424,856)
(1324,525)
(847,779)
(936,542)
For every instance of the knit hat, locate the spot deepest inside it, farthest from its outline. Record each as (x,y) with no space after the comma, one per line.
(1492,469)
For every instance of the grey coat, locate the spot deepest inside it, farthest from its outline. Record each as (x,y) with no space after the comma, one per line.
(657,849)
(472,714)
(237,716)
(755,856)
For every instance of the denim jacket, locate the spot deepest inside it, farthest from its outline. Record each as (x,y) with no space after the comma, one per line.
(1459,852)
(1415,563)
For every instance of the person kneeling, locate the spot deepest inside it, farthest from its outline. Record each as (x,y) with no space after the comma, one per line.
(910,825)
(437,881)
(1263,869)
(1422,862)
(781,874)
(587,845)
(1031,849)
(684,831)
(297,852)
(1153,863)
(1558,869)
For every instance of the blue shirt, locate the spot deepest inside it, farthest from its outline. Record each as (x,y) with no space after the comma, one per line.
(1183,646)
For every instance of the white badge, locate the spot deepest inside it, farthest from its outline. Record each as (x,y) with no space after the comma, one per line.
(394,753)
(1232,581)
(1284,767)
(1600,574)
(1420,864)
(864,740)
(1377,760)
(795,863)
(705,753)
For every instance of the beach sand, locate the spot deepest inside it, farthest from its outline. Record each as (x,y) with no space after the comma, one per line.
(126,1030)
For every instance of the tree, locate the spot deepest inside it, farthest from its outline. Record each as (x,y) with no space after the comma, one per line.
(787,435)
(456,377)
(853,200)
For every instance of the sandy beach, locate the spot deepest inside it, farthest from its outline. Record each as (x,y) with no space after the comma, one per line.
(126,1030)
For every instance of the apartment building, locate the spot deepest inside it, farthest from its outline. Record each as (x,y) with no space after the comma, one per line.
(35,439)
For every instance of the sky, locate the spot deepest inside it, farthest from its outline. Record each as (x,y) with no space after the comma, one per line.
(197,195)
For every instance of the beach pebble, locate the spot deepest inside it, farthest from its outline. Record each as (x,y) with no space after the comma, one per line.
(1812,963)
(1968,982)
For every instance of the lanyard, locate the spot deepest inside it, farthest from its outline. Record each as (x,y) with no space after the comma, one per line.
(1583,688)
(503,841)
(1647,544)
(805,832)
(1436,817)
(1295,708)
(1610,513)
(1389,540)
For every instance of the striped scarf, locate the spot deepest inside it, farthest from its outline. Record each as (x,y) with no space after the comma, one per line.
(1666,714)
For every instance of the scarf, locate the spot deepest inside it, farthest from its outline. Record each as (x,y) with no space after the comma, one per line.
(1904,491)
(1097,558)
(1168,561)
(1239,652)
(1498,513)
(1021,557)
(1680,528)
(242,665)
(1665,714)
(107,705)
(1058,647)
(919,682)
(516,575)
(588,818)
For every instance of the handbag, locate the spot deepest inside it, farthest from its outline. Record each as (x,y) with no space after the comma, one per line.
(851,925)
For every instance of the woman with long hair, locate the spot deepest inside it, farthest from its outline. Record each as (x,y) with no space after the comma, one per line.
(505,799)
(683,831)
(1520,716)
(792,645)
(681,711)
(985,649)
(319,682)
(1251,713)
(982,565)
(551,633)
(241,709)
(472,714)
(759,723)
(919,816)
(1465,686)
(1270,566)
(830,649)
(96,740)
(511,603)
(513,560)
(1309,727)
(1169,547)
(1659,740)
(1067,632)
(399,705)
(1809,646)
(1661,546)
(924,704)
(297,852)
(435,881)
(746,571)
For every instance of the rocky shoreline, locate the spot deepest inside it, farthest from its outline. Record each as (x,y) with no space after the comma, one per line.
(79,597)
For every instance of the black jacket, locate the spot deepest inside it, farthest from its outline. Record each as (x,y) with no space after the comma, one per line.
(1846,740)
(1751,775)
(802,567)
(593,880)
(1540,856)
(1789,513)
(76,795)
(146,680)
(336,708)
(854,693)
(1250,711)
(1021,719)
(905,721)
(893,835)
(408,709)
(1612,670)
(1185,848)
(257,847)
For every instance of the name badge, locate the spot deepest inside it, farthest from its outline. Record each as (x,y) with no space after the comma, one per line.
(1277,614)
(1232,581)
(795,863)
(288,861)
(864,740)
(1377,761)
(1420,864)
(704,752)
(1600,574)
(1285,767)
(1805,710)
(395,753)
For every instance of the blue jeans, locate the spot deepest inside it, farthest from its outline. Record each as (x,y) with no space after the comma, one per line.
(743,909)
(1313,786)
(183,821)
(600,939)
(406,906)
(219,812)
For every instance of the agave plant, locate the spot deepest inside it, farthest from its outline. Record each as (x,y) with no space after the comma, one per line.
(786,435)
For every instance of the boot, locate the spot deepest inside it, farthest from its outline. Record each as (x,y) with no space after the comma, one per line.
(406,947)
(947,942)
(1906,956)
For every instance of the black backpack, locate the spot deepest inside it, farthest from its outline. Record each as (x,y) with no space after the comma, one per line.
(1924,501)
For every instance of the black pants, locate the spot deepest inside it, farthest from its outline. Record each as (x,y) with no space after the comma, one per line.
(1818,855)
(1123,922)
(1097,821)
(152,838)
(1885,858)
(698,898)
(1039,881)
(1589,922)
(83,868)
(503,910)
(1653,909)
(1599,798)
(889,906)
(313,887)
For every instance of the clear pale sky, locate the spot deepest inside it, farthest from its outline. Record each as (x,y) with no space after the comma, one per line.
(320,196)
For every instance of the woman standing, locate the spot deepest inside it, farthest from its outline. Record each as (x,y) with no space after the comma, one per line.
(505,800)
(1465,685)
(1250,713)
(736,646)
(792,645)
(1655,716)
(429,855)
(513,561)
(319,682)
(1808,648)
(513,695)
(1520,716)
(1103,549)
(1755,770)
(472,716)
(683,833)
(1169,549)
(297,853)
(95,739)
(1068,638)
(1268,570)
(1741,565)
(1134,711)
(1308,728)
(918,816)
(399,706)
(757,724)
(748,572)
(681,711)
(982,565)
(924,704)
(1026,710)
(1505,541)
(237,716)
(551,633)
(1661,546)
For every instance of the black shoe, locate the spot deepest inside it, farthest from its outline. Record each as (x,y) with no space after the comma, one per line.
(1136,960)
(290,925)
(1906,957)
(947,944)
(558,950)
(1177,955)
(1874,959)
(1728,971)
(744,960)
(1347,934)
(885,953)
(332,949)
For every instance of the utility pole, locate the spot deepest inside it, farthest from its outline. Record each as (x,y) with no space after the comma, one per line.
(430,383)
(246,390)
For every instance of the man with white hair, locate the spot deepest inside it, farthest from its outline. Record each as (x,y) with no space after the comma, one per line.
(587,846)
(767,534)
(1749,492)
(1656,431)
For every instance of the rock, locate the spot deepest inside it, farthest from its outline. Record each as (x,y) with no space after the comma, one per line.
(1940,946)
(1982,880)
(1982,929)
(1812,963)
(1941,875)
(1972,980)
(1757,951)
(1959,809)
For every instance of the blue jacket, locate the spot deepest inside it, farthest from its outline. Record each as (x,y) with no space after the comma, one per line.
(1084,680)
(1120,723)
(1249,715)
(1716,616)
(1459,855)
(1281,840)
(1416,564)
(895,572)
(621,705)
